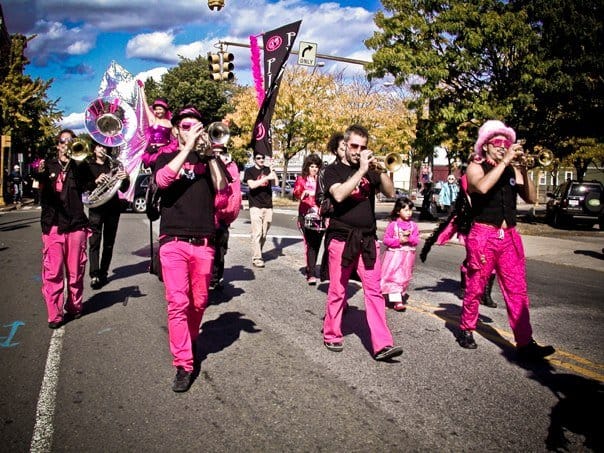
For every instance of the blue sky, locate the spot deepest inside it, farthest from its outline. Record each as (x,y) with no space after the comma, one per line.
(77,39)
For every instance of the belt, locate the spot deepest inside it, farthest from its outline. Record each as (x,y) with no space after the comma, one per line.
(193,240)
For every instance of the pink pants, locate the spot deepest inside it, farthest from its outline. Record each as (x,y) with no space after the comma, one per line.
(66,250)
(375,306)
(187,270)
(491,248)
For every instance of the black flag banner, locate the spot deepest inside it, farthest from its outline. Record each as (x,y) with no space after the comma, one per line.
(277,47)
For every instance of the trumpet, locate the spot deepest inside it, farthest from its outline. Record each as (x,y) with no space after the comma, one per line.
(543,158)
(391,162)
(78,150)
(218,134)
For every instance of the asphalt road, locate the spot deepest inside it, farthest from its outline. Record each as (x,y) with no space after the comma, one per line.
(102,383)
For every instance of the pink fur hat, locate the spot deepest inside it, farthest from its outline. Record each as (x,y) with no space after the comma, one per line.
(490,129)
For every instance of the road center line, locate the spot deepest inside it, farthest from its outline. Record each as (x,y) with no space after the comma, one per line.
(43,430)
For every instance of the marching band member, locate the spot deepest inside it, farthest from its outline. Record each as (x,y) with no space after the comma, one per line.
(159,130)
(351,243)
(104,219)
(188,182)
(493,242)
(65,228)
(305,189)
(224,217)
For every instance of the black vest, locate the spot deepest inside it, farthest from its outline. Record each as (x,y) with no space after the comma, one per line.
(499,203)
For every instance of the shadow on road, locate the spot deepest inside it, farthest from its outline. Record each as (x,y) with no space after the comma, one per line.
(18,224)
(578,398)
(218,334)
(590,253)
(105,299)
(278,245)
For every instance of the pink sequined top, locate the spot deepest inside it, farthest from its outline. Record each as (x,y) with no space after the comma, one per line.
(159,135)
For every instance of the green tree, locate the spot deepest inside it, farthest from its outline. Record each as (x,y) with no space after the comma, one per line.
(26,112)
(569,103)
(464,61)
(189,83)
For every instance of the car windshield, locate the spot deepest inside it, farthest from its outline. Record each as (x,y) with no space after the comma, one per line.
(582,189)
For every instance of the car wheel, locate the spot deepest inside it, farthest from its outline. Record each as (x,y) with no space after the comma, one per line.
(139,205)
(558,220)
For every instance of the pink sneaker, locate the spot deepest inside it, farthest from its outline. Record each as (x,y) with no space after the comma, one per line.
(311,280)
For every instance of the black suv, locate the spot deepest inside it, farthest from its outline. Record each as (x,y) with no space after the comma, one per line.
(575,203)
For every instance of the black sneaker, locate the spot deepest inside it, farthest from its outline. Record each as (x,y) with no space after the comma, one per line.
(95,283)
(334,347)
(466,340)
(532,351)
(388,353)
(182,380)
(55,324)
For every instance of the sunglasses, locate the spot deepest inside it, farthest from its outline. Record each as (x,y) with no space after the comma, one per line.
(500,143)
(259,158)
(65,140)
(355,146)
(186,126)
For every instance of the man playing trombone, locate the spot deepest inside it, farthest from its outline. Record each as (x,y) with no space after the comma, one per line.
(65,229)
(104,219)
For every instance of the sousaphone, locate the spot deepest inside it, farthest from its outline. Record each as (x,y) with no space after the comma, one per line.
(110,122)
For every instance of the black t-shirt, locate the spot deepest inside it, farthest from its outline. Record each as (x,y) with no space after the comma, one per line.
(358,209)
(187,205)
(260,197)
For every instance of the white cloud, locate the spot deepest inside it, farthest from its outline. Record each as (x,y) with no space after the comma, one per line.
(54,38)
(73,121)
(155,74)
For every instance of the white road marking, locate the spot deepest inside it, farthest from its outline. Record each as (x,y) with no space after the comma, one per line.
(43,430)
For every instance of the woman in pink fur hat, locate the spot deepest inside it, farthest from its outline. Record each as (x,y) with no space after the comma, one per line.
(493,242)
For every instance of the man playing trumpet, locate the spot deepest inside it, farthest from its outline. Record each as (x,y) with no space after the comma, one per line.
(493,242)
(351,243)
(188,181)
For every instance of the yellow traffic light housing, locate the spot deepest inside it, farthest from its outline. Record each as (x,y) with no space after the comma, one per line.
(221,66)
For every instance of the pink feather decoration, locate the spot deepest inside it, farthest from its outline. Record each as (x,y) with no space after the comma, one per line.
(256,71)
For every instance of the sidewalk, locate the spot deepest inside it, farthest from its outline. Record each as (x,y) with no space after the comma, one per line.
(584,252)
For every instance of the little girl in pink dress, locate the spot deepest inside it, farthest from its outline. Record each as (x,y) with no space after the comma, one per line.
(401,237)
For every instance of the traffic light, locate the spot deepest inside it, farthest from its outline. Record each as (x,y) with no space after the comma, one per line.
(227,65)
(221,66)
(214,65)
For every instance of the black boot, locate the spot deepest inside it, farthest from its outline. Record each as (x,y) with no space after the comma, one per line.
(462,285)
(486,300)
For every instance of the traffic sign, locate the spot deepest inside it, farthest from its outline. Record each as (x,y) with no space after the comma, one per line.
(307,54)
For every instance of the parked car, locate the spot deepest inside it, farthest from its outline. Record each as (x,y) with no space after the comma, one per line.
(575,203)
(289,189)
(398,193)
(138,203)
